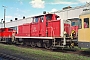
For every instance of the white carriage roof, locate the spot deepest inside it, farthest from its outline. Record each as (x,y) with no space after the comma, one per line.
(77,7)
(86,12)
(88,4)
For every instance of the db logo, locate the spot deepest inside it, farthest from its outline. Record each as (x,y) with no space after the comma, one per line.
(34,29)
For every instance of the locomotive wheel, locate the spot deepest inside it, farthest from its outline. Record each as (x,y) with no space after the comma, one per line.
(47,45)
(33,44)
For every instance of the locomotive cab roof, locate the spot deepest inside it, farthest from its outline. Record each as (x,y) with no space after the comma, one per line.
(46,15)
(5,28)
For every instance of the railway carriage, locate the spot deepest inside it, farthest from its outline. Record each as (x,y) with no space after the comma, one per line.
(84,30)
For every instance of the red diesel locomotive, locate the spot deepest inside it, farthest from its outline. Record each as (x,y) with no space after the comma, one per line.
(45,31)
(6,34)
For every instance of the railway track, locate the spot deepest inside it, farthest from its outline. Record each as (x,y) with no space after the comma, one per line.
(9,57)
(66,50)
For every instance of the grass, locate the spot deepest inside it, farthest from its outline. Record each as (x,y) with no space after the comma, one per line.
(41,54)
(81,49)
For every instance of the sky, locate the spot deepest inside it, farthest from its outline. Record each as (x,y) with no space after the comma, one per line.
(27,8)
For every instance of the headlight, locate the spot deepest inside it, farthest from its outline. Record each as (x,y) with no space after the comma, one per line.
(65,32)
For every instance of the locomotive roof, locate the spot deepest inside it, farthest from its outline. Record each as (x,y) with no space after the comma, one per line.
(43,15)
(86,12)
(5,28)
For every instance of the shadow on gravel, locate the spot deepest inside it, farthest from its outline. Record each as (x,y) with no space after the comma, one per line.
(74,51)
(85,53)
(64,50)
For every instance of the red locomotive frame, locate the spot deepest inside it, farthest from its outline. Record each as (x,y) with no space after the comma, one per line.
(45,31)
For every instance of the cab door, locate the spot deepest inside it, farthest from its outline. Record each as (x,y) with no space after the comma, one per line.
(42,26)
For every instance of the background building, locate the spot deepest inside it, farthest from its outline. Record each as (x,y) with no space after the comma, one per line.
(66,13)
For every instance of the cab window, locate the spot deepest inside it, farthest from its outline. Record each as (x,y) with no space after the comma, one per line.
(36,19)
(80,24)
(2,30)
(86,22)
(42,19)
(49,17)
(73,23)
(10,29)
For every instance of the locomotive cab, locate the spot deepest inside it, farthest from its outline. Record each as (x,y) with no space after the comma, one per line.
(47,17)
(44,22)
(74,27)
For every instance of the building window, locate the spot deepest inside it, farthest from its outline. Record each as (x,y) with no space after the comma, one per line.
(86,22)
